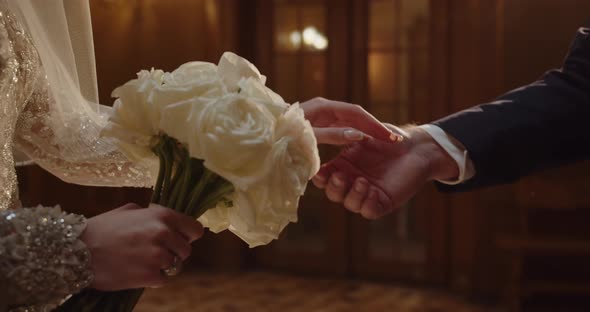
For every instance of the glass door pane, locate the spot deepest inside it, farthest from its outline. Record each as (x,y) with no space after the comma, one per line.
(299,72)
(397,64)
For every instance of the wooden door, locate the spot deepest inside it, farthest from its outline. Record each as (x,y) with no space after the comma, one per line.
(295,47)
(396,71)
(377,54)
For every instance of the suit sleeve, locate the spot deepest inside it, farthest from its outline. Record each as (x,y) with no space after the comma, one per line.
(536,127)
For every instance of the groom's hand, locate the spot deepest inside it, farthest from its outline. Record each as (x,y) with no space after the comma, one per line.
(374,178)
(382,167)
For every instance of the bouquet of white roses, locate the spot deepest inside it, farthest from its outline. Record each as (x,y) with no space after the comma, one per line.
(228,151)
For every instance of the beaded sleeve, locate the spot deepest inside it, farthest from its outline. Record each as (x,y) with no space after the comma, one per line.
(42,259)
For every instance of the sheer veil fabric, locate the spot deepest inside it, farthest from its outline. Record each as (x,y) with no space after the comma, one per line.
(59,122)
(62,33)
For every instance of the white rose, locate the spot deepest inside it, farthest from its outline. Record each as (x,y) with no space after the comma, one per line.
(258,237)
(256,234)
(135,117)
(216,219)
(191,72)
(180,118)
(265,209)
(255,219)
(234,136)
(262,210)
(157,75)
(295,160)
(232,68)
(253,88)
(190,80)
(302,146)
(249,217)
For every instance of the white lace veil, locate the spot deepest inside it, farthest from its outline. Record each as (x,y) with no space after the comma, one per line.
(62,33)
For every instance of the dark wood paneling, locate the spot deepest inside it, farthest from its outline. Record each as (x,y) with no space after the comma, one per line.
(473,64)
(331,257)
(496,46)
(438,106)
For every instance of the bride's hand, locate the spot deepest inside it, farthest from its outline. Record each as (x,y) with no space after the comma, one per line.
(340,123)
(130,245)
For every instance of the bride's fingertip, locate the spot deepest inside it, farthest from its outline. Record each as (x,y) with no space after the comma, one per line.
(396,137)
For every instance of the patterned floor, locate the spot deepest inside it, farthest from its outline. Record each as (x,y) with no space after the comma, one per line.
(260,291)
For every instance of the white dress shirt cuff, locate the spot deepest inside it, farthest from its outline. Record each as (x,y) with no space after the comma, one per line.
(456,151)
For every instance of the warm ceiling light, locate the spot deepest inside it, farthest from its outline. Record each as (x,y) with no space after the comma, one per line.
(313,38)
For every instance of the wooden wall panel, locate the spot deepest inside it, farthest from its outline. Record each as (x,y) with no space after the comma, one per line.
(495,46)
(473,62)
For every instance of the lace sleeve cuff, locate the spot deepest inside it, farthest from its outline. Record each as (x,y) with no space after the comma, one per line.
(42,259)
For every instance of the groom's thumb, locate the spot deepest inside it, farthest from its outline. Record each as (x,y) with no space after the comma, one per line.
(338,136)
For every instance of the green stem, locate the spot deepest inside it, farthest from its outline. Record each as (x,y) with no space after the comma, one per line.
(213,198)
(158,187)
(207,176)
(167,151)
(178,182)
(179,154)
(184,185)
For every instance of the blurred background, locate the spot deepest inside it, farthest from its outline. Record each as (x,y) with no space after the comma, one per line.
(524,246)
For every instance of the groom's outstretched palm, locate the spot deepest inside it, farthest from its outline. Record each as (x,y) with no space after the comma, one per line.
(374,177)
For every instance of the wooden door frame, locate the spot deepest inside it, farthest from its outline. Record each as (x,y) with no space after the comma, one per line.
(334,259)
(436,268)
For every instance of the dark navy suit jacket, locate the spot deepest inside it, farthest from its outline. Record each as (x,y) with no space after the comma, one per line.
(543,125)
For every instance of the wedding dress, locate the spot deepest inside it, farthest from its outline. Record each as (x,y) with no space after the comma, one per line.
(49,112)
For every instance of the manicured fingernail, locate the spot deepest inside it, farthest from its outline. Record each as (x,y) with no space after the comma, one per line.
(396,137)
(360,186)
(337,181)
(353,135)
